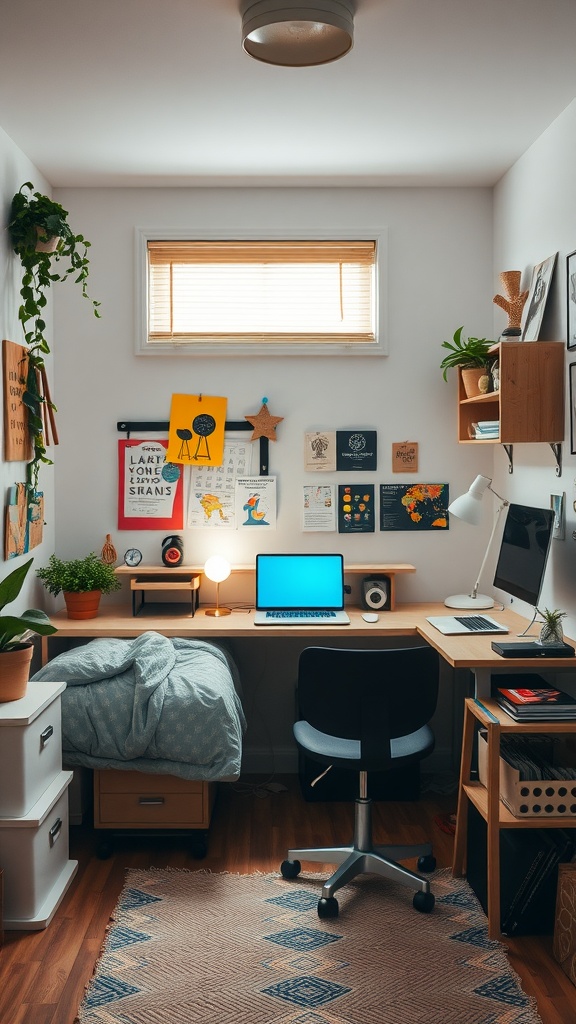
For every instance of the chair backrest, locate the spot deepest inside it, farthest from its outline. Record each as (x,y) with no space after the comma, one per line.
(368,695)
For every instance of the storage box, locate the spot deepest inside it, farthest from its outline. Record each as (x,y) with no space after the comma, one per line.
(564,944)
(30,747)
(546,798)
(34,852)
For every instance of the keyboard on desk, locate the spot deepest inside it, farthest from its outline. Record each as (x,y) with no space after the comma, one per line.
(301,617)
(452,625)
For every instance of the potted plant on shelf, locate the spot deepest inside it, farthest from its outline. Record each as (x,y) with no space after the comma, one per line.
(552,631)
(82,581)
(15,648)
(49,251)
(472,356)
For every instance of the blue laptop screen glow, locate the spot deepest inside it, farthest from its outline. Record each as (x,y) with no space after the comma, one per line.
(299,581)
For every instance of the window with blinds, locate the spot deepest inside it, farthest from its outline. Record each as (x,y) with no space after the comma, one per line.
(281,295)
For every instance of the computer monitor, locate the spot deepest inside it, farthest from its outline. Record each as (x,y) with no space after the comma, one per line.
(524,552)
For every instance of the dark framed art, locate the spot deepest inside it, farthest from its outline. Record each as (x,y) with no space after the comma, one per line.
(571,300)
(572,380)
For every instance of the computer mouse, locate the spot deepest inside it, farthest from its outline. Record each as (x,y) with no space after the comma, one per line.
(370,616)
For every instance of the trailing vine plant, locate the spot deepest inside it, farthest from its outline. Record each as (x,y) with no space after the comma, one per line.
(49,251)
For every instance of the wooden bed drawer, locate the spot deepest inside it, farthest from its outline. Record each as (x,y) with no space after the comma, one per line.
(137,800)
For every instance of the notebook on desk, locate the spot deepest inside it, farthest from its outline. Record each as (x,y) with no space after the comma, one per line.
(452,625)
(300,590)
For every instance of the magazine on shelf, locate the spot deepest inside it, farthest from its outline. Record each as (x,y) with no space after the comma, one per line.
(539,703)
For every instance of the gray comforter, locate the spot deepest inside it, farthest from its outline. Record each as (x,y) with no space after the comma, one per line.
(151,704)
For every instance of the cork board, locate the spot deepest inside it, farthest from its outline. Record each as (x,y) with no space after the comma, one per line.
(17,440)
(405,457)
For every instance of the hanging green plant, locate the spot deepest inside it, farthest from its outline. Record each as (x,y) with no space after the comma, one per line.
(49,251)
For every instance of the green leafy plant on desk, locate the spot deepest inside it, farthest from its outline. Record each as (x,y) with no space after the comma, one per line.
(79,576)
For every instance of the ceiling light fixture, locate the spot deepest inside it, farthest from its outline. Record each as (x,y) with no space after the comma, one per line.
(297,33)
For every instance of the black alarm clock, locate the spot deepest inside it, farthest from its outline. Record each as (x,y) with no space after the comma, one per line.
(172,551)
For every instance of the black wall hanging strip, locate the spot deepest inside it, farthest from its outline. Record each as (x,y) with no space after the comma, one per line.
(162,427)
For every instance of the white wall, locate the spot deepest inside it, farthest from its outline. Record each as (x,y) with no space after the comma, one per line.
(534,217)
(15,169)
(440,276)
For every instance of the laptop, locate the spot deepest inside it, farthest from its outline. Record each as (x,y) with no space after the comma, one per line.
(452,625)
(300,590)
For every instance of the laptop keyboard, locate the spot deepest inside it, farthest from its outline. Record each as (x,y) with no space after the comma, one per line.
(474,622)
(300,615)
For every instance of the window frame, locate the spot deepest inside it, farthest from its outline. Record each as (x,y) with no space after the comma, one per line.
(144,347)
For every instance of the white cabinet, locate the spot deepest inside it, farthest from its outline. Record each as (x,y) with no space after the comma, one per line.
(33,808)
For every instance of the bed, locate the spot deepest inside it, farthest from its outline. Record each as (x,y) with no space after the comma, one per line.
(152,705)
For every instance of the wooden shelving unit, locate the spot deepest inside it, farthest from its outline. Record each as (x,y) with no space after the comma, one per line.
(530,402)
(486,799)
(189,577)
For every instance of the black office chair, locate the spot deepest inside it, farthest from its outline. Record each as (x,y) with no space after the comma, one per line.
(366,710)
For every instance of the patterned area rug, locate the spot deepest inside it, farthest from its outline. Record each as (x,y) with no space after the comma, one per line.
(191,947)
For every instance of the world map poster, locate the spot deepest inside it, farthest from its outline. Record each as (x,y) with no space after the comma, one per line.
(414,506)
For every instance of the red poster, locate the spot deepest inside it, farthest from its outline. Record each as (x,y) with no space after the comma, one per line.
(150,490)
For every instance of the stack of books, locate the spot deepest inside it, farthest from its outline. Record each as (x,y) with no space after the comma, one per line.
(539,704)
(486,430)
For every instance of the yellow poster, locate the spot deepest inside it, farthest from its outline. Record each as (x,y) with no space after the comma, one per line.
(196,435)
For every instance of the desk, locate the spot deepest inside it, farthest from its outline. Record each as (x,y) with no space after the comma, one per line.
(470,652)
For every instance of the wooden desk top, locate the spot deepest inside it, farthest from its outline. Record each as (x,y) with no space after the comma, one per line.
(406,620)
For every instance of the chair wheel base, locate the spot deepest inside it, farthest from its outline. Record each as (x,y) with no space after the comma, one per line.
(424,902)
(427,863)
(328,907)
(290,868)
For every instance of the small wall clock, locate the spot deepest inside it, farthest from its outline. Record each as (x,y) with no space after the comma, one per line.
(132,557)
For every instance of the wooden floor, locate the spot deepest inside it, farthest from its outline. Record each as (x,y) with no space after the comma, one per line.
(43,973)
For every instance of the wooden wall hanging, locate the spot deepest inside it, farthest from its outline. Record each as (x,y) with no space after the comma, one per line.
(17,440)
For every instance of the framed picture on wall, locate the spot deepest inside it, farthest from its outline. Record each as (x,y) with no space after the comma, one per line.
(572,371)
(571,300)
(539,288)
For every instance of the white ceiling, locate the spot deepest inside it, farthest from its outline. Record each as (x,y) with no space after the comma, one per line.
(160,93)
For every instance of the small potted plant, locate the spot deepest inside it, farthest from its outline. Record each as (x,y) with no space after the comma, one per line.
(15,648)
(49,251)
(472,355)
(552,631)
(82,581)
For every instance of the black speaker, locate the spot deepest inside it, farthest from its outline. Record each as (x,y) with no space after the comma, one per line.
(376,593)
(172,551)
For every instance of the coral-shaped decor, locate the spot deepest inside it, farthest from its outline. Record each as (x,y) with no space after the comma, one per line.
(513,303)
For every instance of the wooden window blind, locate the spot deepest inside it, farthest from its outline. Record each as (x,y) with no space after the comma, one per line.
(261,292)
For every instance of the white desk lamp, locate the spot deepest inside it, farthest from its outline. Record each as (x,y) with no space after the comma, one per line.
(468,507)
(217,569)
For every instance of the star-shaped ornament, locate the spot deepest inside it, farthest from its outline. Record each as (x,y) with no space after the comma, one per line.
(264,424)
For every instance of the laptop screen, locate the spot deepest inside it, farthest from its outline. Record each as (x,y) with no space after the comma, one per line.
(284,582)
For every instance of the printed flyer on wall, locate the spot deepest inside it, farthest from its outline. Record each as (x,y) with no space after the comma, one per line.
(256,502)
(211,496)
(318,507)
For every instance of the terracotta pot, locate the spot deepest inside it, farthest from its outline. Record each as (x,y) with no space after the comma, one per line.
(50,246)
(470,380)
(84,605)
(15,672)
